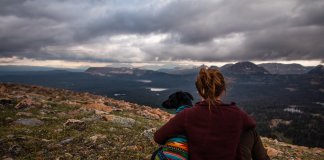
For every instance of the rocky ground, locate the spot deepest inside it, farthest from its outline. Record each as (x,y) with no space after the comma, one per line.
(46,123)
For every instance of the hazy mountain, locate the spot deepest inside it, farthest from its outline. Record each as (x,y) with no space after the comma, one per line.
(126,71)
(244,68)
(183,71)
(226,66)
(278,68)
(318,70)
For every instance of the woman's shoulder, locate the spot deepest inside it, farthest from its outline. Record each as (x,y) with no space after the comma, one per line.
(229,105)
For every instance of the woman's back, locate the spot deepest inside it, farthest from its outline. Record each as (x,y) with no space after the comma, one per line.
(212,134)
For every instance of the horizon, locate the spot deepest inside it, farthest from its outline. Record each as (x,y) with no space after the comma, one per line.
(151,66)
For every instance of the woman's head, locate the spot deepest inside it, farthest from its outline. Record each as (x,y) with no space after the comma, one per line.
(210,84)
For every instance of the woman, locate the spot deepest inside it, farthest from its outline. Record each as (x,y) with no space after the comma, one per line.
(213,128)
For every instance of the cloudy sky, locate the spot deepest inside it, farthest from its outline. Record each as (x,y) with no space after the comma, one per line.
(160,32)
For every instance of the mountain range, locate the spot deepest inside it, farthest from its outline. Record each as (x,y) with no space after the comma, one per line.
(237,68)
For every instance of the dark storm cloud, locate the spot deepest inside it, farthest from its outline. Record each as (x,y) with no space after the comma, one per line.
(197,30)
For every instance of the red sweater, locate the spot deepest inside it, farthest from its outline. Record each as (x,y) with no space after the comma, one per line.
(211,134)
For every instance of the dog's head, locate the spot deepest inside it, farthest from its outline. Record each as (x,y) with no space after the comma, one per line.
(178,99)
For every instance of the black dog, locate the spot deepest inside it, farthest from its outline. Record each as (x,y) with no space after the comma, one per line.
(178,99)
(176,147)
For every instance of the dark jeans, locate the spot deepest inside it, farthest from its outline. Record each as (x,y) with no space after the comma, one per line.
(252,147)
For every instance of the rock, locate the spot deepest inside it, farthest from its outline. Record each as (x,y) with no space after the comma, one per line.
(97,137)
(67,141)
(98,112)
(46,140)
(58,130)
(8,119)
(272,152)
(46,106)
(26,114)
(149,133)
(92,118)
(126,122)
(45,112)
(99,107)
(26,103)
(29,122)
(133,148)
(15,150)
(48,118)
(75,124)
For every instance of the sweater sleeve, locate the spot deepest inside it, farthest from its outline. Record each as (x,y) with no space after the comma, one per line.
(172,128)
(248,122)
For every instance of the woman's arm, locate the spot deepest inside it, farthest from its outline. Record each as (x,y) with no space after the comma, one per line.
(174,127)
(248,122)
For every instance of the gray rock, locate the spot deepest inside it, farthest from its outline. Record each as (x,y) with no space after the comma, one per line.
(67,141)
(149,133)
(29,122)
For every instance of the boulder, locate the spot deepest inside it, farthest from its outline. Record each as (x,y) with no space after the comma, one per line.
(26,103)
(99,107)
(149,133)
(75,124)
(272,152)
(29,122)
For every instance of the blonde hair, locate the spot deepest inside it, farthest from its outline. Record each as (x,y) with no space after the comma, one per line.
(210,84)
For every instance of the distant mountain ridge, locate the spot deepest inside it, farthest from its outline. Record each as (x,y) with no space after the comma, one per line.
(110,71)
(279,68)
(244,68)
(318,70)
(184,71)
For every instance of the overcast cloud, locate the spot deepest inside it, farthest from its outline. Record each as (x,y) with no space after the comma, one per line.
(162,30)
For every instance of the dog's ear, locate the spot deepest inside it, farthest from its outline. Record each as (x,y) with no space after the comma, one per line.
(171,102)
(189,95)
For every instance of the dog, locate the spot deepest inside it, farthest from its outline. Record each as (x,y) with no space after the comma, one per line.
(175,148)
